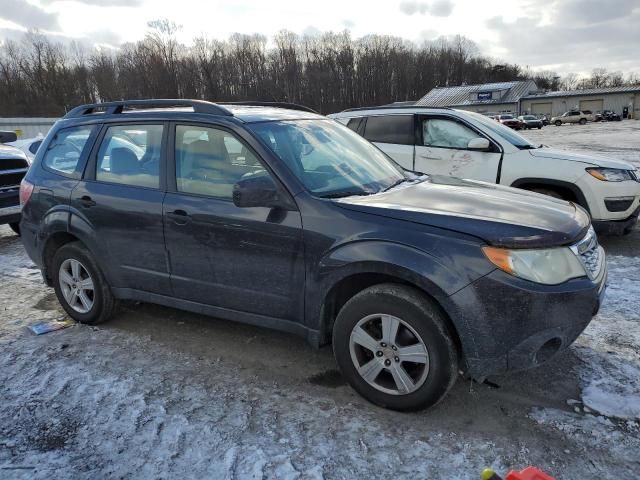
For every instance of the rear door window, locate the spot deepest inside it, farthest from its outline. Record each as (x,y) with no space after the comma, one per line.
(130,155)
(398,129)
(66,148)
(356,124)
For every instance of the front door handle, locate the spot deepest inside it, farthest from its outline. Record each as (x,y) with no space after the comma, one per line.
(86,201)
(429,157)
(179,217)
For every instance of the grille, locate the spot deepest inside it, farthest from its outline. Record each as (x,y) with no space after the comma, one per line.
(13,163)
(590,254)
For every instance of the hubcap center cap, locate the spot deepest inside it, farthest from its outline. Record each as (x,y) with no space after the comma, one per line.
(387,353)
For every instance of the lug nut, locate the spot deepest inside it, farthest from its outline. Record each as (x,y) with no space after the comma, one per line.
(382,344)
(379,353)
(393,347)
(387,362)
(396,359)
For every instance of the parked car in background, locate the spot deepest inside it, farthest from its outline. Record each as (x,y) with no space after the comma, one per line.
(530,121)
(286,219)
(510,121)
(464,144)
(29,146)
(610,116)
(13,167)
(572,116)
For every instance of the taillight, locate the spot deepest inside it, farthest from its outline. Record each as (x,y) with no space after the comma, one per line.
(26,189)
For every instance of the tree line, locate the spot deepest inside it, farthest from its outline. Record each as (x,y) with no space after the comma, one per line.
(327,72)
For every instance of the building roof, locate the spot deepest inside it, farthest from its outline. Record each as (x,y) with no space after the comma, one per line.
(507,92)
(588,91)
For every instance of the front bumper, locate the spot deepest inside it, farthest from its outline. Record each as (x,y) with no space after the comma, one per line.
(508,324)
(617,227)
(10,213)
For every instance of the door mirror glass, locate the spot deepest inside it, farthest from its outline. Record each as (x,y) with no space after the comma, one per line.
(479,144)
(256,191)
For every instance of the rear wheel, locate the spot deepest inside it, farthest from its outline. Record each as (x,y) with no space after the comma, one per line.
(80,285)
(558,123)
(15,226)
(583,121)
(394,347)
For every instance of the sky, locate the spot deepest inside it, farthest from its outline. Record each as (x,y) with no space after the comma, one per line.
(560,35)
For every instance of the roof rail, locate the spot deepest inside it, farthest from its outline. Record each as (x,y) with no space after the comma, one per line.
(391,107)
(199,106)
(290,106)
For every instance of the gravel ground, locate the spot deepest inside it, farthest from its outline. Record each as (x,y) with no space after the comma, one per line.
(160,393)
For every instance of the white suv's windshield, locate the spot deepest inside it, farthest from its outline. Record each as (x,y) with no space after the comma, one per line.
(507,133)
(329,159)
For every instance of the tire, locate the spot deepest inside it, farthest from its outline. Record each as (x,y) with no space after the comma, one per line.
(539,128)
(102,302)
(558,123)
(15,226)
(582,121)
(421,326)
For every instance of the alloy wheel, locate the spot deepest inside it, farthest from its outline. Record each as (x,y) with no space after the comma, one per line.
(389,354)
(76,285)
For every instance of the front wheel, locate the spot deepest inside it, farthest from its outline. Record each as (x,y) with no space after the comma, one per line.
(558,123)
(583,121)
(80,285)
(15,226)
(394,347)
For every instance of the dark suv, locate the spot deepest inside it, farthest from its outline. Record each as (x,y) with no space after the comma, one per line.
(283,218)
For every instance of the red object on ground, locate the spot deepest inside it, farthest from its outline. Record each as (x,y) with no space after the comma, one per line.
(529,473)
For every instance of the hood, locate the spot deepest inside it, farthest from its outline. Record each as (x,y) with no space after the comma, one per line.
(581,157)
(501,216)
(7,151)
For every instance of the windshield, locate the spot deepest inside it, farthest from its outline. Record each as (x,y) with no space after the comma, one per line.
(330,160)
(529,117)
(506,117)
(507,133)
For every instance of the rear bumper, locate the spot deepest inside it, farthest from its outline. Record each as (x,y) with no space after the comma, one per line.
(9,207)
(507,324)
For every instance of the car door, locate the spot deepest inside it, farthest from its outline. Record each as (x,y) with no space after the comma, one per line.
(120,200)
(242,259)
(394,134)
(444,149)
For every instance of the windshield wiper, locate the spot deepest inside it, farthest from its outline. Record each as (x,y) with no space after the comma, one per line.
(395,184)
(347,193)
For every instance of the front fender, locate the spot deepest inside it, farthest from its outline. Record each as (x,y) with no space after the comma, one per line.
(438,275)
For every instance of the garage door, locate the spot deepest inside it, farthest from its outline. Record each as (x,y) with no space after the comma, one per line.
(541,108)
(593,105)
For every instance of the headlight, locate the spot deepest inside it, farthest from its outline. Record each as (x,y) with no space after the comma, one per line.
(549,266)
(610,174)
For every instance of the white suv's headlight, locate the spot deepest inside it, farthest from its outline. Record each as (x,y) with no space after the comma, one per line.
(610,174)
(549,266)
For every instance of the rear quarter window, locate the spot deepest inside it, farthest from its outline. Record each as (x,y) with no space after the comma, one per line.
(398,129)
(66,148)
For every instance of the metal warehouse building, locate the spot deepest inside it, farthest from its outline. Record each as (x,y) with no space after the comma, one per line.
(617,99)
(523,97)
(485,98)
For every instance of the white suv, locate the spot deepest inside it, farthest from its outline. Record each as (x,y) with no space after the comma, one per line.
(464,144)
(573,116)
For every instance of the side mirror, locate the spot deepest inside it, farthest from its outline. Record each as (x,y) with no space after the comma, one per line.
(256,191)
(481,144)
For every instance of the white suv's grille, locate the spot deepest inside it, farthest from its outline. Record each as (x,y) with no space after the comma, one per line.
(590,254)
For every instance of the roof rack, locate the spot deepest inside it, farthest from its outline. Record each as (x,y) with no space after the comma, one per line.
(290,106)
(391,107)
(199,106)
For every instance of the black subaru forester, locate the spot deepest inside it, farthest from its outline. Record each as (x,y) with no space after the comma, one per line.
(283,218)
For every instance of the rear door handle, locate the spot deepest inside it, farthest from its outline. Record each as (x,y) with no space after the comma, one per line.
(179,217)
(429,157)
(86,201)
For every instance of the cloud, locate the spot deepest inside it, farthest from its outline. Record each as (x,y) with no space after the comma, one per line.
(438,8)
(103,3)
(441,8)
(410,7)
(595,11)
(348,23)
(571,46)
(28,15)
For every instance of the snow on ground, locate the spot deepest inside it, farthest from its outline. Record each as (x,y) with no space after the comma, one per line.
(617,140)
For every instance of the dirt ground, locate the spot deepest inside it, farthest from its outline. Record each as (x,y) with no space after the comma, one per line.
(160,393)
